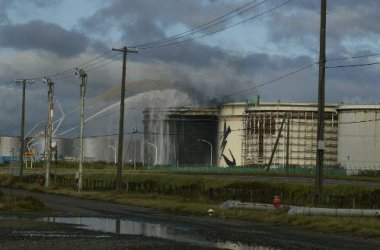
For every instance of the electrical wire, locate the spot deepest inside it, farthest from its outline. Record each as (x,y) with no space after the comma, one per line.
(353,65)
(219,30)
(268,82)
(196,28)
(203,27)
(62,74)
(353,57)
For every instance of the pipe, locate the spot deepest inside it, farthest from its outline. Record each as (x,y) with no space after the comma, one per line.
(294,210)
(233,204)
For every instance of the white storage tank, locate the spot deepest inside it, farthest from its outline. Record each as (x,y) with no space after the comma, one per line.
(9,145)
(95,149)
(230,135)
(359,137)
(247,134)
(64,147)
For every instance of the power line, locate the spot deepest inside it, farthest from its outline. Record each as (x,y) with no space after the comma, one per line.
(353,57)
(195,28)
(352,65)
(89,67)
(219,30)
(204,26)
(270,81)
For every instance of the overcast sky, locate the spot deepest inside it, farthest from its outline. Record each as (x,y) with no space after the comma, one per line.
(45,37)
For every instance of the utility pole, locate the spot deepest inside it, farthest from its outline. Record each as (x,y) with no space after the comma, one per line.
(321,105)
(125,50)
(22,133)
(50,84)
(83,85)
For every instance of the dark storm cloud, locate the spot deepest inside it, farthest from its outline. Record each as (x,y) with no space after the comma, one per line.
(204,71)
(197,55)
(260,62)
(146,20)
(346,20)
(43,3)
(4,5)
(43,36)
(207,71)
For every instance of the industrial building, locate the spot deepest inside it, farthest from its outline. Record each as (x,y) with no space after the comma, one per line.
(235,134)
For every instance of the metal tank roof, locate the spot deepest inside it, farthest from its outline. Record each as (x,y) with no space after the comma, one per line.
(239,107)
(165,113)
(357,107)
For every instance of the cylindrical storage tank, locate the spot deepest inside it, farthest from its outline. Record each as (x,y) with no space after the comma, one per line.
(230,135)
(181,136)
(64,147)
(359,137)
(249,133)
(9,146)
(96,149)
(105,149)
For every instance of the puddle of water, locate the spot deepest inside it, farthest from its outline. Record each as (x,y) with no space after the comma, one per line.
(51,234)
(129,227)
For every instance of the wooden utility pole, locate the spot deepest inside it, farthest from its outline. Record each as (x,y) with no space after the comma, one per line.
(50,84)
(83,85)
(321,104)
(125,51)
(22,132)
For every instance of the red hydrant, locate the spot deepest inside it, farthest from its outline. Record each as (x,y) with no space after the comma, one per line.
(277,201)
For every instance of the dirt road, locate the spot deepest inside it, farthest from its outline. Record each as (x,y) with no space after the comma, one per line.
(227,233)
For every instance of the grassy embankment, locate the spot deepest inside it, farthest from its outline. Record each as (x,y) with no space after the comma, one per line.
(13,203)
(198,204)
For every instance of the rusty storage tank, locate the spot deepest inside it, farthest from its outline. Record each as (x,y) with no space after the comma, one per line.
(248,134)
(180,136)
(359,137)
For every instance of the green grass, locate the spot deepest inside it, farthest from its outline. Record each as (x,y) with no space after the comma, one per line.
(198,204)
(14,203)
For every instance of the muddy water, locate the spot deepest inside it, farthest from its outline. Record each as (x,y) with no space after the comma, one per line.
(130,227)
